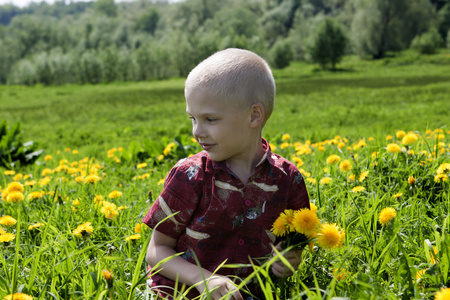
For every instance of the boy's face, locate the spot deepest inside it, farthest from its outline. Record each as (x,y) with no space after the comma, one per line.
(221,129)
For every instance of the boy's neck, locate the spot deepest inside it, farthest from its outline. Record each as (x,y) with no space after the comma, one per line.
(244,168)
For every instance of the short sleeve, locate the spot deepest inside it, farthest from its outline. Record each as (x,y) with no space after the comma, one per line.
(298,195)
(173,209)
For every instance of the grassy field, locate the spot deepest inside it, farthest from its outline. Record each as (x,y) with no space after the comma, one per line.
(107,149)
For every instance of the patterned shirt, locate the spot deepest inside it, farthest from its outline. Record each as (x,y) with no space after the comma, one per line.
(219,218)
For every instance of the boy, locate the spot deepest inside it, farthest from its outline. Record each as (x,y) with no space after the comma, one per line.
(226,197)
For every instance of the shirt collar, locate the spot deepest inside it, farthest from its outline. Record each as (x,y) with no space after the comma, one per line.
(214,166)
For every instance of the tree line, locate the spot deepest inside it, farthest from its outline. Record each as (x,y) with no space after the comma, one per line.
(104,41)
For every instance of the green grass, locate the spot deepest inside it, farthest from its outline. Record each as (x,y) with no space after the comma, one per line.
(362,100)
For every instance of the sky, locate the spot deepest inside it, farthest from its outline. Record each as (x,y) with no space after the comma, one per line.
(22,3)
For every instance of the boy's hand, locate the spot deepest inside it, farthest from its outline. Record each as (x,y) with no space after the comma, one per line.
(294,257)
(220,286)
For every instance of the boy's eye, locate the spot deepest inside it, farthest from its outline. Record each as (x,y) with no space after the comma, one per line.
(192,118)
(210,120)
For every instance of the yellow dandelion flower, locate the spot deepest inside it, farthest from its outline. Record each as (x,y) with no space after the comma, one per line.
(443,169)
(375,154)
(44,181)
(285,137)
(109,210)
(329,236)
(351,177)
(161,181)
(18,296)
(363,175)
(311,180)
(341,145)
(2,231)
(397,195)
(288,216)
(108,275)
(7,237)
(48,157)
(345,165)
(284,145)
(35,196)
(15,187)
(358,189)
(76,202)
(141,165)
(168,149)
(74,151)
(83,229)
(278,227)
(122,207)
(98,199)
(325,180)
(313,207)
(133,237)
(35,226)
(387,215)
(442,294)
(410,139)
(400,134)
(46,172)
(92,179)
(115,194)
(388,137)
(439,178)
(340,274)
(15,197)
(160,157)
(393,148)
(333,159)
(9,172)
(30,183)
(17,177)
(305,221)
(411,180)
(137,228)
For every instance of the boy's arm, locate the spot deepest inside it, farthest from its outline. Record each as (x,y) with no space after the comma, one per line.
(162,246)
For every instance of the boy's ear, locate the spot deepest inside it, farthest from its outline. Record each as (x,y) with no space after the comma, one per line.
(257,115)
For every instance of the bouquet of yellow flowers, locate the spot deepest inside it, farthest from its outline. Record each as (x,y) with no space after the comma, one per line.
(300,227)
(295,225)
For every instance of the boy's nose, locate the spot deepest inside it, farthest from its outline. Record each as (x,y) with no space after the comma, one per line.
(198,131)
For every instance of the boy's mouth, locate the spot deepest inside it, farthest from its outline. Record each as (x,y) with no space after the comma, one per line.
(206,147)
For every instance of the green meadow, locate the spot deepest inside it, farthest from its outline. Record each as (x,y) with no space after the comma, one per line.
(107,148)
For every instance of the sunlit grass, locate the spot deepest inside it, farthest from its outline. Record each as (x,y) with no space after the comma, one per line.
(110,131)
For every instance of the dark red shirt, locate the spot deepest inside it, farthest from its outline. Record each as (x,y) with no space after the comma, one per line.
(218,217)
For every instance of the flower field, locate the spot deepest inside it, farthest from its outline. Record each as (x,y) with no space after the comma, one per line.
(70,224)
(372,143)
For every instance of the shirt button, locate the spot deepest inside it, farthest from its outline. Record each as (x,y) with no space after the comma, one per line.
(248,202)
(241,242)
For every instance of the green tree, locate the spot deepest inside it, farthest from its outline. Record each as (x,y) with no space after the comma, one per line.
(444,20)
(106,7)
(148,21)
(379,26)
(281,54)
(328,45)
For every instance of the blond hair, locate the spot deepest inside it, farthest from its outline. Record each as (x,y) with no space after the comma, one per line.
(238,76)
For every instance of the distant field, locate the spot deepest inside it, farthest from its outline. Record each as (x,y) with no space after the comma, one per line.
(364,97)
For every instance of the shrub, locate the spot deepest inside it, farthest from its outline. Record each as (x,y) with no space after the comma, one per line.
(428,42)
(328,45)
(281,54)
